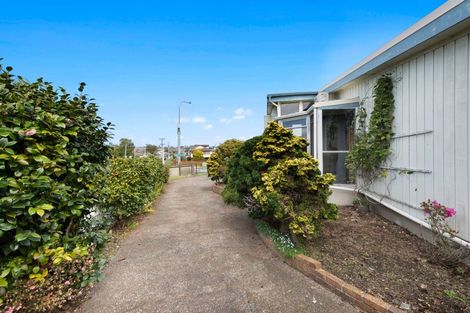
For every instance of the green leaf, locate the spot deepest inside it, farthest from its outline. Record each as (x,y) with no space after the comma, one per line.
(41,158)
(45,206)
(23,162)
(3,282)
(5,273)
(6,226)
(40,212)
(21,236)
(32,210)
(34,237)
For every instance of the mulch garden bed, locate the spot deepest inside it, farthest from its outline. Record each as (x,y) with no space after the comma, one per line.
(389,262)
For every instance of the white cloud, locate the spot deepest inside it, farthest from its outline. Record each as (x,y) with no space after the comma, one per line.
(242,113)
(185,119)
(199,120)
(207,126)
(225,120)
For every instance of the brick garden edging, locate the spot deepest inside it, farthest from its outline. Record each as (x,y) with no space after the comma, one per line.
(313,269)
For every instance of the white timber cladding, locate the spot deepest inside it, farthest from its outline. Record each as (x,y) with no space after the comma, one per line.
(432,131)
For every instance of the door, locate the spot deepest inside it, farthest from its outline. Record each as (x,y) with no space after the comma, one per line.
(337,138)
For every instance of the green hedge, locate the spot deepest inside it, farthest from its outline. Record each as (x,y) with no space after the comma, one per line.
(52,146)
(131,185)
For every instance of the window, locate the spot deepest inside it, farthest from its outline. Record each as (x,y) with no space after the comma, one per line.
(306,104)
(289,108)
(337,140)
(298,126)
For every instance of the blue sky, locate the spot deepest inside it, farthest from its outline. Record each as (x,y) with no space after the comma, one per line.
(141,58)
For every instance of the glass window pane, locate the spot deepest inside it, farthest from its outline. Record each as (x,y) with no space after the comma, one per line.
(335,163)
(295,123)
(307,104)
(337,130)
(289,108)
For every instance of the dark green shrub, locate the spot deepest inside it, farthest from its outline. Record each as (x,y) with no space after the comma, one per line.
(131,185)
(243,173)
(217,163)
(52,146)
(231,196)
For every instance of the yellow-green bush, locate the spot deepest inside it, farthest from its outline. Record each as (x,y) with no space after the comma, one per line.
(131,185)
(287,186)
(217,163)
(295,193)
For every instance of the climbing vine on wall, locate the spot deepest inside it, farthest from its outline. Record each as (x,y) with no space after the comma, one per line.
(372,142)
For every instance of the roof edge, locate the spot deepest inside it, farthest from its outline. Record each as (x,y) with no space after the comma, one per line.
(423,30)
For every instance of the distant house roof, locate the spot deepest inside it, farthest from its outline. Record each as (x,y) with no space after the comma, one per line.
(204,148)
(451,17)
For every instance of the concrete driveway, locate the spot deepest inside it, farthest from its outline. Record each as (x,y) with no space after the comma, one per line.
(196,254)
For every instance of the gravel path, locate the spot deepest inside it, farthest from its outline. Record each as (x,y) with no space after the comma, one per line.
(196,254)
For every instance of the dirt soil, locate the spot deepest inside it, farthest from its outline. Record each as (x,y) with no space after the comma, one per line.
(387,261)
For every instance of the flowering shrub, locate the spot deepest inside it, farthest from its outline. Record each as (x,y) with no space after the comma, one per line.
(448,252)
(437,214)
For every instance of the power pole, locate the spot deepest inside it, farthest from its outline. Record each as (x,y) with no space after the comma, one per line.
(162,144)
(168,149)
(178,133)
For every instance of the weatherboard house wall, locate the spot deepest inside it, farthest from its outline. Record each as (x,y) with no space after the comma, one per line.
(430,66)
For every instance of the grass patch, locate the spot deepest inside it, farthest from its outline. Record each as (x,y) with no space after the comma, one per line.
(282,241)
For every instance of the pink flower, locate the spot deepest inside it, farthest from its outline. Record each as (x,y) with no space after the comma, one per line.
(449,212)
(66,283)
(9,310)
(32,287)
(435,203)
(30,132)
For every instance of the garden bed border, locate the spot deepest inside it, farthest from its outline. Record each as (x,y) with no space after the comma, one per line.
(313,269)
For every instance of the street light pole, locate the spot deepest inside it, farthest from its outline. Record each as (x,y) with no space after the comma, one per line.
(178,133)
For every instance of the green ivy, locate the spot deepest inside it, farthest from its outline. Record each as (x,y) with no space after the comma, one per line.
(372,144)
